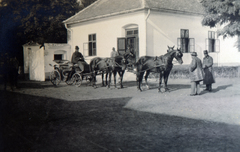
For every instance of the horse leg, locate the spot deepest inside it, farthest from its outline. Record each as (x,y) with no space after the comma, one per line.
(146,76)
(166,80)
(160,81)
(103,83)
(114,77)
(94,79)
(106,79)
(139,80)
(121,73)
(110,79)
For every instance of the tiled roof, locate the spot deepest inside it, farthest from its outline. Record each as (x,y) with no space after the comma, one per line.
(103,8)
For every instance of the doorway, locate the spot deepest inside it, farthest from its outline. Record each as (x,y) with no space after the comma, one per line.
(131,40)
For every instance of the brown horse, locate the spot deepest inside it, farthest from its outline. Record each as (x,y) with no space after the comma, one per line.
(119,66)
(162,65)
(100,65)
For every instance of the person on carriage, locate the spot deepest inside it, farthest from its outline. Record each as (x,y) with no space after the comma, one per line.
(77,58)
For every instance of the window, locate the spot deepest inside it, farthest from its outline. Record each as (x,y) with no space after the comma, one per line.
(92,50)
(212,44)
(185,43)
(131,32)
(58,56)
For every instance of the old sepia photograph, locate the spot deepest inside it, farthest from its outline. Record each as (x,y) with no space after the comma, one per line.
(119,75)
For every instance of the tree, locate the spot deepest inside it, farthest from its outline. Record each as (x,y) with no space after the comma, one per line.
(41,20)
(225,13)
(35,20)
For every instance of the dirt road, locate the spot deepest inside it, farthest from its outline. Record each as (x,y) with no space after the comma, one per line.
(41,117)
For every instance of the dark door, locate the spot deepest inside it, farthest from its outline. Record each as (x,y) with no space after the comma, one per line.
(124,42)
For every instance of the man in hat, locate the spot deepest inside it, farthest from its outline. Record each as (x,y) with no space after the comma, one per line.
(208,71)
(196,74)
(77,58)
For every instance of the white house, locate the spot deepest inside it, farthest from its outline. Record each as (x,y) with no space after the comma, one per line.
(37,58)
(149,26)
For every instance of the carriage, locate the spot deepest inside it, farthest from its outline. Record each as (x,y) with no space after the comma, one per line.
(68,72)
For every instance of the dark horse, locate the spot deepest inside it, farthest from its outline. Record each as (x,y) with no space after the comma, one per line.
(108,66)
(119,66)
(162,65)
(100,65)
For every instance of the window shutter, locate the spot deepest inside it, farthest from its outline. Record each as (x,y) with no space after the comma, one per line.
(186,34)
(85,49)
(182,33)
(209,34)
(213,35)
(191,45)
(121,45)
(179,44)
(217,45)
(207,44)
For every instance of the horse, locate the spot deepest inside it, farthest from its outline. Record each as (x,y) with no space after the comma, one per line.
(119,66)
(162,64)
(103,65)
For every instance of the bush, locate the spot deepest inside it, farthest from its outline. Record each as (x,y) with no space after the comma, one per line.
(182,72)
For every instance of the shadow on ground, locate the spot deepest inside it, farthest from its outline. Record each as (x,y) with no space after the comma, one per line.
(219,88)
(33,123)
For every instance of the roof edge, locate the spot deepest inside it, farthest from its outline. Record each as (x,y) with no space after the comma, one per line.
(81,11)
(108,15)
(176,11)
(134,10)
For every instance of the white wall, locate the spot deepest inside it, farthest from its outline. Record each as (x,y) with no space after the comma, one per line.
(27,56)
(107,31)
(53,48)
(163,29)
(36,68)
(229,54)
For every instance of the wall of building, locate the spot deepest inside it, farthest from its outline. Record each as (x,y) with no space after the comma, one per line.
(26,56)
(163,29)
(107,31)
(55,48)
(229,54)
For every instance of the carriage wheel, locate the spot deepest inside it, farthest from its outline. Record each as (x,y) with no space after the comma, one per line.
(77,79)
(55,77)
(70,81)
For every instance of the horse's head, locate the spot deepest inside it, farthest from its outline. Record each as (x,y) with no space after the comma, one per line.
(178,56)
(170,48)
(124,63)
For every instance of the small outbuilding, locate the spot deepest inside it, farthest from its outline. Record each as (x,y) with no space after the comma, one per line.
(38,57)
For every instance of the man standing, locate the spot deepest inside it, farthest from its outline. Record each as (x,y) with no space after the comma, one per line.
(196,74)
(114,53)
(208,71)
(13,72)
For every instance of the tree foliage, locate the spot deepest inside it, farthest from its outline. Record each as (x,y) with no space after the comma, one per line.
(40,21)
(225,13)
